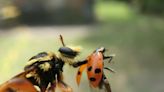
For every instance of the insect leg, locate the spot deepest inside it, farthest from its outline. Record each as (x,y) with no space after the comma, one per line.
(108,57)
(79,63)
(52,87)
(106,84)
(43,88)
(62,85)
(109,69)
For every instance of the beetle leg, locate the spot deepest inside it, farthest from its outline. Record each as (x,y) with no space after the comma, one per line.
(108,57)
(106,84)
(109,69)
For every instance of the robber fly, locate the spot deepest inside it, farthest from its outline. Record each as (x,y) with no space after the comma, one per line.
(44,71)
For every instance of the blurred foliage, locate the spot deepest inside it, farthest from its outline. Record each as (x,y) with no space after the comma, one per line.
(40,12)
(148,6)
(107,11)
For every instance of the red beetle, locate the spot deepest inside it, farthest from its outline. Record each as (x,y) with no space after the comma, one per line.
(95,66)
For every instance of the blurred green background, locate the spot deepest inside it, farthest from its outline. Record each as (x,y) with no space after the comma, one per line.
(131,29)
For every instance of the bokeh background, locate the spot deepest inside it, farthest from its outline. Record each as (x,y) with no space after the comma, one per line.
(131,29)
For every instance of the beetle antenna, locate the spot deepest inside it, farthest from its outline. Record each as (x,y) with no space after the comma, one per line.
(61,39)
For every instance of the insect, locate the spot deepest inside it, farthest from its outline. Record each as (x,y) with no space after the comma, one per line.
(43,72)
(49,68)
(94,65)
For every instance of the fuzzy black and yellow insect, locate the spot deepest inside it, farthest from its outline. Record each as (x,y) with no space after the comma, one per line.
(49,68)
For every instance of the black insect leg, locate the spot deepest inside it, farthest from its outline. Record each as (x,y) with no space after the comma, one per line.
(106,84)
(79,63)
(109,69)
(108,57)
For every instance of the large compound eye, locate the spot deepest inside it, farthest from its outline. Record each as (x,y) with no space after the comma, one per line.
(67,52)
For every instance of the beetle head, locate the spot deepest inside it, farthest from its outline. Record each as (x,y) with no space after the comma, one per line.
(101,49)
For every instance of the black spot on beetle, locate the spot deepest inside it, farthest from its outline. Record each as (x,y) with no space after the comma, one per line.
(97,70)
(92,79)
(79,73)
(90,68)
